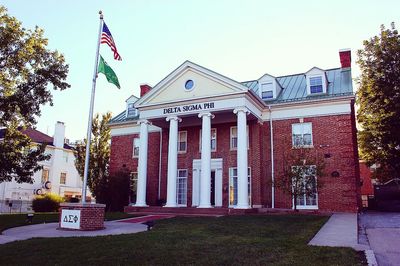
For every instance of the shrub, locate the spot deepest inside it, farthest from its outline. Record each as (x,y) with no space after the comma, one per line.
(47,203)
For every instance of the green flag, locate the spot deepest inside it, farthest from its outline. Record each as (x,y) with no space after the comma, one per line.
(108,72)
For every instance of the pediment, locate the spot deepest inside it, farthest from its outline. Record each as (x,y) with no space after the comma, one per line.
(206,83)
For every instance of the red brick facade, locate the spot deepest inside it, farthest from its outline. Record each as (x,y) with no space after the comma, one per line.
(333,139)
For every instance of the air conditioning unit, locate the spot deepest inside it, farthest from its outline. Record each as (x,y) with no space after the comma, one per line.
(38,191)
(46,185)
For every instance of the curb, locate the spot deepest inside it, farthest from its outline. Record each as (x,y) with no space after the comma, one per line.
(371,259)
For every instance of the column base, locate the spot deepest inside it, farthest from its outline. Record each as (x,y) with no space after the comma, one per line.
(205,206)
(242,207)
(170,206)
(141,205)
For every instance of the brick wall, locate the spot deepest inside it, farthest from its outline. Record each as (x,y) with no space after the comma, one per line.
(92,215)
(333,135)
(121,159)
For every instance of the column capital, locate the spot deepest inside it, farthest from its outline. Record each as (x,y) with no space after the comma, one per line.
(241,109)
(173,117)
(200,115)
(143,121)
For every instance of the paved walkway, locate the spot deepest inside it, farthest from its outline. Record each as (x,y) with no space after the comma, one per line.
(50,230)
(341,230)
(383,234)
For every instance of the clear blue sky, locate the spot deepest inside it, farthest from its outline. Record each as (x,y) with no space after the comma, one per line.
(239,39)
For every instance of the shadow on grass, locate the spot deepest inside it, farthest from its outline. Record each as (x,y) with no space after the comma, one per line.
(230,240)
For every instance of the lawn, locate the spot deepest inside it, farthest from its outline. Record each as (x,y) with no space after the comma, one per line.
(14,220)
(229,240)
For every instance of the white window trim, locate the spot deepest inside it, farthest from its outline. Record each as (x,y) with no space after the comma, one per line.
(229,184)
(177,176)
(59,179)
(133,148)
(309,207)
(322,75)
(212,150)
(303,146)
(230,138)
(48,174)
(130,180)
(273,89)
(127,110)
(179,133)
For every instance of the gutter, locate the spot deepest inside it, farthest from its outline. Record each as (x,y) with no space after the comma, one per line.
(272,159)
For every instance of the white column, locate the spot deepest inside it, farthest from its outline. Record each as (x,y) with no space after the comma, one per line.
(142,164)
(242,165)
(172,161)
(205,178)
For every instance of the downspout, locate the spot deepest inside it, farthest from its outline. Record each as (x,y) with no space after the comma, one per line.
(159,167)
(272,159)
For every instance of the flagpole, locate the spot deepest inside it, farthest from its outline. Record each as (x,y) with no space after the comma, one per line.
(89,129)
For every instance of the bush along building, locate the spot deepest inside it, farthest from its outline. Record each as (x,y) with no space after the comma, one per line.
(200,140)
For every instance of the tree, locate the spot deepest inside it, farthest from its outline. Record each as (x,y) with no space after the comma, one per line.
(98,175)
(378,98)
(301,168)
(27,67)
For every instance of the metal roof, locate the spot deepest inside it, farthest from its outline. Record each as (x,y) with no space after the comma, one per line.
(122,118)
(294,89)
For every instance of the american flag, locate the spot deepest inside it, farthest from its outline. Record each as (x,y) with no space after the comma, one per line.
(107,38)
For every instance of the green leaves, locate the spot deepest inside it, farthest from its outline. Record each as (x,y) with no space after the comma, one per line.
(378,99)
(98,175)
(27,68)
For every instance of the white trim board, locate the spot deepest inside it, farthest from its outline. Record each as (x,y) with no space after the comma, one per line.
(131,129)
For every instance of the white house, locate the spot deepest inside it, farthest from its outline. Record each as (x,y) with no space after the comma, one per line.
(58,175)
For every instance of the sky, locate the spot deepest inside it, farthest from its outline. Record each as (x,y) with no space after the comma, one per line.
(239,39)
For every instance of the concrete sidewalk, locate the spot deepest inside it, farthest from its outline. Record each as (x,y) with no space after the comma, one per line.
(50,230)
(341,230)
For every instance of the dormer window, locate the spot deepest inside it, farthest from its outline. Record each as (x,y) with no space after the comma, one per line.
(267,90)
(316,85)
(317,82)
(132,111)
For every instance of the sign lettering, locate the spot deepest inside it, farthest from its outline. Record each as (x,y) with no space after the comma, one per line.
(188,108)
(70,219)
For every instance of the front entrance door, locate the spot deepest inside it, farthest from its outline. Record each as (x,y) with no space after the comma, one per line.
(212,189)
(216,183)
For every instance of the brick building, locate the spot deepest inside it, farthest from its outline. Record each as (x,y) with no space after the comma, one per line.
(200,139)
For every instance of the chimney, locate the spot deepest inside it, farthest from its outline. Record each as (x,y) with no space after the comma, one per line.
(144,88)
(59,135)
(345,57)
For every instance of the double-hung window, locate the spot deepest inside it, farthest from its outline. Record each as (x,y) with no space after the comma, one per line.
(136,144)
(267,91)
(233,185)
(45,175)
(181,187)
(307,195)
(133,187)
(302,135)
(132,111)
(316,85)
(213,139)
(182,141)
(63,178)
(234,137)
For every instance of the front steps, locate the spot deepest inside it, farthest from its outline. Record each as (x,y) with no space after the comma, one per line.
(189,211)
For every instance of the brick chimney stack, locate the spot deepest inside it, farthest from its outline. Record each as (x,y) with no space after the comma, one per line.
(59,135)
(345,57)
(144,88)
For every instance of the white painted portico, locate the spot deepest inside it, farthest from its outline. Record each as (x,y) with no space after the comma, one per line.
(212,98)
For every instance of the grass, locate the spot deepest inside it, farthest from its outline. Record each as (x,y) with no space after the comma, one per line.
(230,240)
(14,220)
